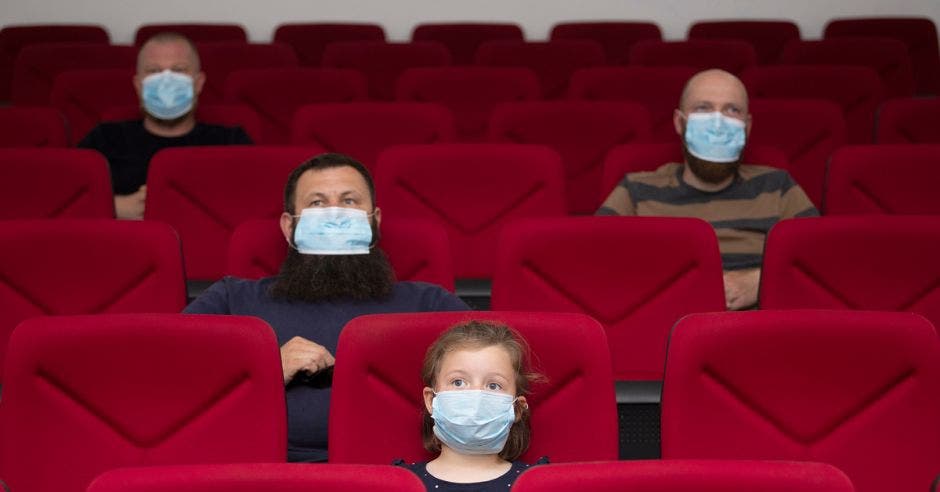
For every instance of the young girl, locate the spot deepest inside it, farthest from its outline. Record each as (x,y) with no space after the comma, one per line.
(476,415)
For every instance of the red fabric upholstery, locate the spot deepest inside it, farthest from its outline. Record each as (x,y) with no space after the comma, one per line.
(903,121)
(83,96)
(196,32)
(251,477)
(552,61)
(108,391)
(363,130)
(469,92)
(74,183)
(14,38)
(276,93)
(377,392)
(473,190)
(257,248)
(615,37)
(32,127)
(813,263)
(310,39)
(206,192)
(768,37)
(857,90)
(216,114)
(631,158)
(87,267)
(657,88)
(463,39)
(382,62)
(886,56)
(580,131)
(807,131)
(636,275)
(918,33)
(37,66)
(856,390)
(685,475)
(884,179)
(731,55)
(221,58)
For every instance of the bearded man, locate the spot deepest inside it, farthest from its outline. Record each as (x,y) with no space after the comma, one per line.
(333,272)
(742,202)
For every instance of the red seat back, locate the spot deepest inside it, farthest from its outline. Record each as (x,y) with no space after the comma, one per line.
(221,58)
(37,66)
(196,32)
(216,114)
(74,183)
(904,121)
(768,37)
(382,62)
(109,391)
(84,96)
(462,39)
(888,57)
(473,190)
(377,393)
(310,39)
(640,276)
(614,36)
(35,126)
(552,61)
(730,55)
(846,388)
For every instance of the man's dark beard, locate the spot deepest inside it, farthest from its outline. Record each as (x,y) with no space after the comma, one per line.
(707,171)
(169,123)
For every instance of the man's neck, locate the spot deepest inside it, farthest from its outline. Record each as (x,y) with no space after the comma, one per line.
(692,180)
(177,129)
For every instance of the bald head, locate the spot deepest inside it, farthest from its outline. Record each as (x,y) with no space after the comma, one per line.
(168,50)
(713,90)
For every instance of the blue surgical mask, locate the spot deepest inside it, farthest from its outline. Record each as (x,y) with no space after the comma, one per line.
(333,231)
(714,137)
(167,95)
(473,421)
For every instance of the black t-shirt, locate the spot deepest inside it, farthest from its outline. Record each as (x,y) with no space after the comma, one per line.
(128,146)
(501,483)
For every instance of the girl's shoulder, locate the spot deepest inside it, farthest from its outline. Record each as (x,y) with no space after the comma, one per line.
(500,483)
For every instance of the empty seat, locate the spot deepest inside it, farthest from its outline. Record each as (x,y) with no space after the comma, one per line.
(768,37)
(636,275)
(88,266)
(276,93)
(883,179)
(463,39)
(363,130)
(382,62)
(580,131)
(84,96)
(221,58)
(217,114)
(377,392)
(37,66)
(35,126)
(54,183)
(616,37)
(106,391)
(918,33)
(469,92)
(552,61)
(192,189)
(888,57)
(310,39)
(473,190)
(908,121)
(730,55)
(856,390)
(196,32)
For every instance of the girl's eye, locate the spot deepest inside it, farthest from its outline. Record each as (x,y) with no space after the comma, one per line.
(494,386)
(458,383)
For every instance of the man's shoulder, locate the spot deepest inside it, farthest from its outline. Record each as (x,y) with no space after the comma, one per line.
(112,130)
(426,296)
(766,178)
(210,133)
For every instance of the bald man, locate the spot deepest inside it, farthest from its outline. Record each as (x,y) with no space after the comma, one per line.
(742,202)
(168,82)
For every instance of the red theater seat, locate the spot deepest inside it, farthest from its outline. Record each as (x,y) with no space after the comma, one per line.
(908,121)
(856,390)
(768,37)
(196,32)
(108,391)
(54,183)
(473,190)
(382,62)
(216,114)
(276,93)
(377,393)
(221,58)
(34,127)
(888,57)
(206,192)
(616,37)
(731,55)
(310,39)
(363,130)
(84,96)
(37,66)
(636,275)
(552,61)
(90,266)
(469,92)
(580,131)
(884,179)
(463,39)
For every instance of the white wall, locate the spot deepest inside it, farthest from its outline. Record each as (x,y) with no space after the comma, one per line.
(260,17)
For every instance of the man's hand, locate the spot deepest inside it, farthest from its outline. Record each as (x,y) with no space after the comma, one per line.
(741,288)
(131,206)
(302,355)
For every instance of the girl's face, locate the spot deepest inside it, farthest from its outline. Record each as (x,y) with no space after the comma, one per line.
(487,369)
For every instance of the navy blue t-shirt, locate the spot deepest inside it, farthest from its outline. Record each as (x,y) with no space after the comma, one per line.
(308,400)
(498,484)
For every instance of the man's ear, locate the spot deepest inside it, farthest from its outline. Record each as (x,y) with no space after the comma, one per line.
(198,82)
(287,222)
(428,394)
(677,121)
(747,125)
(138,82)
(377,215)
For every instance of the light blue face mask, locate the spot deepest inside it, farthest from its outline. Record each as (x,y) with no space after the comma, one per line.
(473,421)
(333,231)
(167,95)
(714,137)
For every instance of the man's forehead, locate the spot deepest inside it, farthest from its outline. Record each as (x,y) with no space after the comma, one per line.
(332,180)
(159,51)
(715,87)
